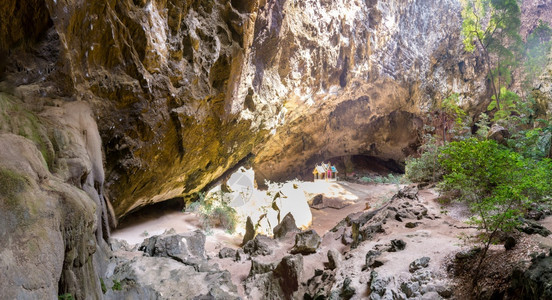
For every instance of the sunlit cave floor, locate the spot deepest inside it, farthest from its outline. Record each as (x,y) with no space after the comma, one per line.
(354,196)
(436,237)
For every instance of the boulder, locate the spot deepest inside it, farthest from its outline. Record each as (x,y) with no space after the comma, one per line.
(334,259)
(249,231)
(410,288)
(347,290)
(509,243)
(533,227)
(371,259)
(306,242)
(286,226)
(166,278)
(258,267)
(397,245)
(227,253)
(410,192)
(418,264)
(260,245)
(288,273)
(499,134)
(188,248)
(534,283)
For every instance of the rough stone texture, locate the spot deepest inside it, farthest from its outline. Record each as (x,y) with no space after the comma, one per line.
(188,248)
(499,134)
(260,245)
(306,242)
(535,282)
(53,213)
(249,231)
(227,253)
(280,283)
(166,278)
(418,264)
(185,90)
(286,226)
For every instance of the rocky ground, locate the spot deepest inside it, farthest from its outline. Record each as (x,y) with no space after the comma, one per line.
(404,247)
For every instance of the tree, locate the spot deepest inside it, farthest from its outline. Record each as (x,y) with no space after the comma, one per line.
(495,182)
(492,28)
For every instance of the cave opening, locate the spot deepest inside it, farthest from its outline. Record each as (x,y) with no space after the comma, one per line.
(359,165)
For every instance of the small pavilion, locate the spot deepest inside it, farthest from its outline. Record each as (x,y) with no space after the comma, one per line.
(325,171)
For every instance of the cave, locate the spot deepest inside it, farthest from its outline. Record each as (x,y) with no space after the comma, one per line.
(165,149)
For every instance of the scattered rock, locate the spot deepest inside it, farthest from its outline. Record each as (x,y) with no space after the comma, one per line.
(499,134)
(286,226)
(258,267)
(532,227)
(410,288)
(431,296)
(188,248)
(378,285)
(410,192)
(510,243)
(418,264)
(249,231)
(371,259)
(119,245)
(334,259)
(150,277)
(347,237)
(397,245)
(288,273)
(240,255)
(347,291)
(535,282)
(443,290)
(227,252)
(317,200)
(306,242)
(260,245)
(467,253)
(411,224)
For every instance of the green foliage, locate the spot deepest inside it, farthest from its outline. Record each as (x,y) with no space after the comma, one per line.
(67,296)
(492,28)
(117,286)
(214,211)
(389,179)
(425,168)
(102,284)
(496,182)
(533,143)
(483,126)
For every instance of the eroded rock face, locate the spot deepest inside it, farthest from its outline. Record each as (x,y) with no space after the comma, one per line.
(184,90)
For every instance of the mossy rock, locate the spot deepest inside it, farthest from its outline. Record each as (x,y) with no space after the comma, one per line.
(11,183)
(16,119)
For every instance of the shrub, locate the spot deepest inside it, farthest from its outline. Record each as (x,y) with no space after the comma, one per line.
(214,211)
(116,285)
(425,168)
(496,183)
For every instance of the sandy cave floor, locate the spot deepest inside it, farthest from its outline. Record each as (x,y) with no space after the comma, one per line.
(437,239)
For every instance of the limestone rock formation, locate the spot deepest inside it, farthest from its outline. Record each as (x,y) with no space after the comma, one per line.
(185,90)
(53,213)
